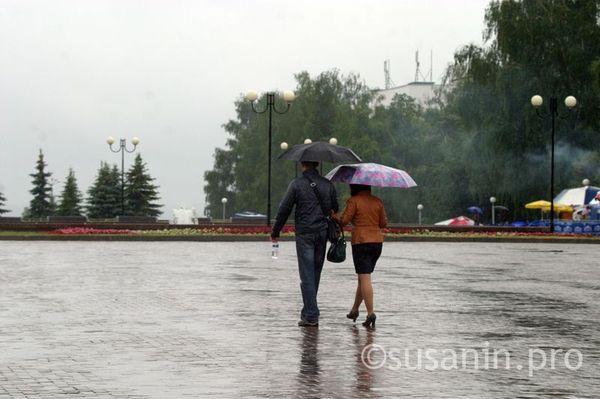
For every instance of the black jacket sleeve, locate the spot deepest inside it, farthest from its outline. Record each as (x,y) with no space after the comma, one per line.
(285,208)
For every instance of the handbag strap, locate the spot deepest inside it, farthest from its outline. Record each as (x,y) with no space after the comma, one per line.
(316,190)
(325,213)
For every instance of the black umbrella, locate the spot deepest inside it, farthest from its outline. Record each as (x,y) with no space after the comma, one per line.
(320,152)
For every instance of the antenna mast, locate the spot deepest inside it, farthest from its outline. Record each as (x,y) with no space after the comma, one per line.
(431,66)
(418,73)
(386,70)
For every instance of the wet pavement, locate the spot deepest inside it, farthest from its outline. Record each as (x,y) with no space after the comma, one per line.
(181,319)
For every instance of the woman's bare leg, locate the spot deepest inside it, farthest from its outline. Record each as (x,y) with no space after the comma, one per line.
(358,298)
(366,291)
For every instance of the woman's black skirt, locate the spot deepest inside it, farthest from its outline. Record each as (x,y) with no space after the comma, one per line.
(365,256)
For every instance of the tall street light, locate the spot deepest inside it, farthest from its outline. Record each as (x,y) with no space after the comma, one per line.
(419,210)
(493,202)
(224,202)
(288,97)
(332,141)
(122,149)
(537,102)
(284,147)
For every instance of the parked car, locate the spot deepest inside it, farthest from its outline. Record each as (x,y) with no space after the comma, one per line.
(248,217)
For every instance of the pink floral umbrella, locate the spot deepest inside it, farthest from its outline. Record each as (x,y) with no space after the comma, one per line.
(371,174)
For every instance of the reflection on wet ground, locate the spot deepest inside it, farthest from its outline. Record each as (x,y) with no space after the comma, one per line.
(171,320)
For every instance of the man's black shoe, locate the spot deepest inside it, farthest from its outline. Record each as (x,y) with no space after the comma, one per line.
(306,323)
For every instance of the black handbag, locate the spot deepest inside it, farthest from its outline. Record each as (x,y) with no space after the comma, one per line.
(335,233)
(333,230)
(337,250)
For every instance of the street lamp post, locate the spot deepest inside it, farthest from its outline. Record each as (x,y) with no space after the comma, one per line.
(537,102)
(284,147)
(493,202)
(420,209)
(122,149)
(288,97)
(585,182)
(332,141)
(224,202)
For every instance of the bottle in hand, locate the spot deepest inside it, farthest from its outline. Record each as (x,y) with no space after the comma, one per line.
(274,249)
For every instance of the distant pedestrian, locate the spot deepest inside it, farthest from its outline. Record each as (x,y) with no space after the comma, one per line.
(367,215)
(311,232)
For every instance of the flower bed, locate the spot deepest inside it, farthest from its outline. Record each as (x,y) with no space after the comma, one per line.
(288,231)
(213,230)
(477,234)
(88,230)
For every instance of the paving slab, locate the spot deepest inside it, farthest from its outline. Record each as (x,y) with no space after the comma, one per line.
(218,319)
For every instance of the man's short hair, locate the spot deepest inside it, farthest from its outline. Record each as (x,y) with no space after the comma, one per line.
(310,164)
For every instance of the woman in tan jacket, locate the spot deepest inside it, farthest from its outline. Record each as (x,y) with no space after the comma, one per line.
(367,215)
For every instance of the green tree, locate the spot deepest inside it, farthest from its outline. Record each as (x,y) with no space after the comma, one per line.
(328,105)
(2,202)
(40,205)
(545,47)
(482,138)
(104,196)
(70,198)
(220,182)
(140,193)
(596,75)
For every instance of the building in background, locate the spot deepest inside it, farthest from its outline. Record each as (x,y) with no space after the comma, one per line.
(423,92)
(422,89)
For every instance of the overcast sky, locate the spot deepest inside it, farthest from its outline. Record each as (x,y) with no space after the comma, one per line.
(74,72)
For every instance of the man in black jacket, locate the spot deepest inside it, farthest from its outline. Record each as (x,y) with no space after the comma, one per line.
(311,232)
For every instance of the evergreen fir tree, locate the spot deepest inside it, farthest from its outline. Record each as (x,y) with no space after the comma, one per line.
(104,196)
(2,201)
(70,198)
(140,193)
(40,204)
(26,213)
